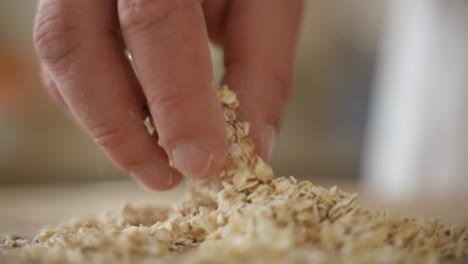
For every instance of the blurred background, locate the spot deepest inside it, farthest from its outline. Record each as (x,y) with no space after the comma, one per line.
(380,102)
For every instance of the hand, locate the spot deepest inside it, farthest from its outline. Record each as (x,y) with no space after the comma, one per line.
(81,46)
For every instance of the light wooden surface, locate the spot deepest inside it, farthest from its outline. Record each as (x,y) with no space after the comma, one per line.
(24,209)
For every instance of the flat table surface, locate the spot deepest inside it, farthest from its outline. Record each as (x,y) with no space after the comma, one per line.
(25,208)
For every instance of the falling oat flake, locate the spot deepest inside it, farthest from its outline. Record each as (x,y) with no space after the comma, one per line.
(245,215)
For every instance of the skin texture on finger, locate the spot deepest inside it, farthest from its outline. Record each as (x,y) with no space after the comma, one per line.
(259,43)
(78,46)
(170,50)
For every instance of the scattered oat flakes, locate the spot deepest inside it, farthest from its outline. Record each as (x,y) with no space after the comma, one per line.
(245,215)
(149,126)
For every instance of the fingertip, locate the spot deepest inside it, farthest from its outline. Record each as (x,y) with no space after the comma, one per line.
(197,161)
(156,178)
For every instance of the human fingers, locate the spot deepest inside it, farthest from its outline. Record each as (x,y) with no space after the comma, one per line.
(78,43)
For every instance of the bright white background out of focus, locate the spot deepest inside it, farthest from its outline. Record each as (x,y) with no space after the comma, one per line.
(381,99)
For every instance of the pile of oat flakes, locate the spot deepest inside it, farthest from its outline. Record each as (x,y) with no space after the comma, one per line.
(245,215)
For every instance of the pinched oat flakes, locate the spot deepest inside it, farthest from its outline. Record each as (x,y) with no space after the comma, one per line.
(245,215)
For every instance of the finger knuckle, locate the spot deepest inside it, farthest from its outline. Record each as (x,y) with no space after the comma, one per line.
(56,33)
(107,136)
(140,15)
(168,100)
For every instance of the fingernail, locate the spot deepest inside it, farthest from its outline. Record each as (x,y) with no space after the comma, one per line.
(191,159)
(268,138)
(155,177)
